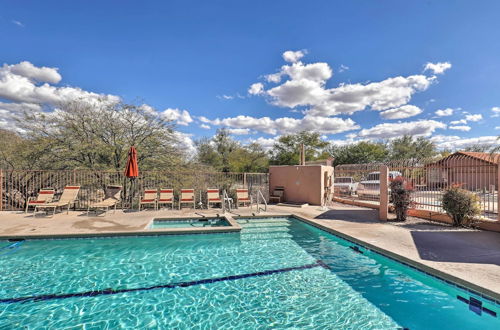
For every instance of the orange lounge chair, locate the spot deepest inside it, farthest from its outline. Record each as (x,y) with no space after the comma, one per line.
(44,196)
(166,197)
(187,197)
(213,197)
(242,197)
(150,198)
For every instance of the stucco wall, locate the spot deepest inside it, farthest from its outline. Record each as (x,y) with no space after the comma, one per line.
(303,184)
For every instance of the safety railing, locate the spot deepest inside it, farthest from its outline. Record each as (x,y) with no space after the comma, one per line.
(259,197)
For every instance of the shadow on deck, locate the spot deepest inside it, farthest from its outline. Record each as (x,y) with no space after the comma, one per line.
(458,246)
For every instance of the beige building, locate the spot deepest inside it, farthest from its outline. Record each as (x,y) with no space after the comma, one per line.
(302,183)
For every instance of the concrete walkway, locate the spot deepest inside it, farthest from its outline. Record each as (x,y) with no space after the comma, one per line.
(469,257)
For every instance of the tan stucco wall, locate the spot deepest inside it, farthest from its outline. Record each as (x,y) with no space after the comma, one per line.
(303,184)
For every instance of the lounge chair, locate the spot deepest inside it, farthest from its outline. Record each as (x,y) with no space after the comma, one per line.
(242,197)
(114,196)
(187,197)
(67,198)
(213,197)
(44,196)
(150,198)
(278,195)
(166,197)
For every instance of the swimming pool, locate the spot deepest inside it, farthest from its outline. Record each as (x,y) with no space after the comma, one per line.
(278,272)
(189,223)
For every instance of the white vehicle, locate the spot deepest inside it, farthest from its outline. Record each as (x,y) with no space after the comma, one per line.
(370,187)
(345,185)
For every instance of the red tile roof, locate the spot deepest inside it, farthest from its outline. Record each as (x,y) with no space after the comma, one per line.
(484,156)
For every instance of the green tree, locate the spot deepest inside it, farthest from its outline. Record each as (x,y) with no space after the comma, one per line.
(97,135)
(359,153)
(251,158)
(225,154)
(407,147)
(287,150)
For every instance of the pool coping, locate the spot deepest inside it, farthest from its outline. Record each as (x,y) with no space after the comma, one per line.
(233,227)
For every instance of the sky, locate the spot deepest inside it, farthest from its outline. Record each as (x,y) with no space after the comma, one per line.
(350,70)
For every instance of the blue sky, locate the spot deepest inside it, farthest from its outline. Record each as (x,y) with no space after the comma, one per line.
(355,70)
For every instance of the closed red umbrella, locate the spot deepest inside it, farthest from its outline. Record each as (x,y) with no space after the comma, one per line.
(131,171)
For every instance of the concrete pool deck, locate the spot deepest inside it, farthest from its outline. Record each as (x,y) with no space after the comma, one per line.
(465,256)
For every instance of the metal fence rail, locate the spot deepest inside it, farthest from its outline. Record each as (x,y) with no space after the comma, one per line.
(16,186)
(353,182)
(430,177)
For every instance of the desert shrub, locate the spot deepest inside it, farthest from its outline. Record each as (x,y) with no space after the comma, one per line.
(461,205)
(400,197)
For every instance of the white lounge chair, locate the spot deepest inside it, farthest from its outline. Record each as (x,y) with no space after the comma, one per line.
(242,197)
(150,198)
(44,196)
(166,197)
(187,197)
(114,194)
(67,198)
(213,196)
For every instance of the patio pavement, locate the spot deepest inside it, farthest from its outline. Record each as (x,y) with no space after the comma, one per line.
(469,257)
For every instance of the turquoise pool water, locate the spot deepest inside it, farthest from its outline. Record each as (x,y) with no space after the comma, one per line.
(289,275)
(189,223)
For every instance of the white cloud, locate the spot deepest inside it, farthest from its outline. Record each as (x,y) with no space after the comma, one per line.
(286,125)
(456,142)
(181,117)
(343,68)
(239,131)
(294,56)
(256,89)
(497,127)
(28,70)
(463,128)
(496,111)
(274,77)
(456,122)
(18,83)
(391,130)
(28,88)
(149,109)
(444,112)
(477,117)
(304,85)
(205,126)
(185,142)
(437,68)
(266,143)
(404,111)
(17,23)
(225,97)
(347,98)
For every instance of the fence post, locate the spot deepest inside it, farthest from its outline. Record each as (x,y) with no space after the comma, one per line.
(384,193)
(244,180)
(1,189)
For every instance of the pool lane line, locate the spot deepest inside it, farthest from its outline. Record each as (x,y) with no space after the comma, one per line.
(111,291)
